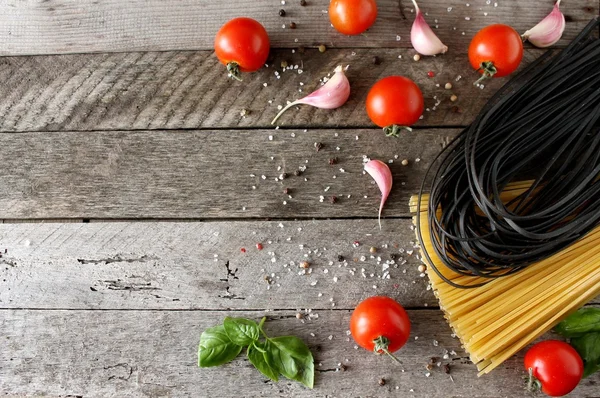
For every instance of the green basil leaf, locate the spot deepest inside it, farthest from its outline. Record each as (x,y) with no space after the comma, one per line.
(216,348)
(292,358)
(241,331)
(590,368)
(588,346)
(259,360)
(583,321)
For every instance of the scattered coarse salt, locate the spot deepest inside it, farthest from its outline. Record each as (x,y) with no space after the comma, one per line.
(398,38)
(270,138)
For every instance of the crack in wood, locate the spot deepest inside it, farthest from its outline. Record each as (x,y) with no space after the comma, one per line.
(232,274)
(128,369)
(121,285)
(402,15)
(116,259)
(6,261)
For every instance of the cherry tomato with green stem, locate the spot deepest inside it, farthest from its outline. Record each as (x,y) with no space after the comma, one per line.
(496,51)
(352,17)
(395,103)
(554,367)
(380,324)
(243,45)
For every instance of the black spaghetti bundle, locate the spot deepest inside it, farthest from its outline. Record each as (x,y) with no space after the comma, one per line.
(544,126)
(514,207)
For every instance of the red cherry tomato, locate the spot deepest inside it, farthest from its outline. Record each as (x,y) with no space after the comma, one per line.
(556,365)
(394,102)
(352,17)
(243,45)
(496,51)
(380,324)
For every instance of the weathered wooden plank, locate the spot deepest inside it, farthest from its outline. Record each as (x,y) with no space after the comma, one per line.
(190,90)
(58,26)
(207,174)
(153,354)
(201,265)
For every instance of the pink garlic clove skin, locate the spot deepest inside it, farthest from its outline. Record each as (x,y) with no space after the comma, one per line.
(331,95)
(422,37)
(383,178)
(549,30)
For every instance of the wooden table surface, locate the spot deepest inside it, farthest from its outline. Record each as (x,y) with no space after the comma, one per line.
(131,182)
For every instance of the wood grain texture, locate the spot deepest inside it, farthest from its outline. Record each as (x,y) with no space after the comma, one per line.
(190,90)
(153,354)
(201,266)
(207,174)
(59,26)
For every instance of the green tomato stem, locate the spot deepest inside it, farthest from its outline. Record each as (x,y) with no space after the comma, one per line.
(394,130)
(381,345)
(234,71)
(533,384)
(489,70)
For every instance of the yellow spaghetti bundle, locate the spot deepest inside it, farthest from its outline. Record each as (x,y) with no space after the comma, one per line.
(498,319)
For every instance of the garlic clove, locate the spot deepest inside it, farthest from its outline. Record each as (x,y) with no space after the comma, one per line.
(331,95)
(422,37)
(383,178)
(549,30)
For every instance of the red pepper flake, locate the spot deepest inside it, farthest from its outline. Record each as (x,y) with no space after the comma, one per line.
(430,74)
(259,246)
(243,250)
(356,243)
(396,286)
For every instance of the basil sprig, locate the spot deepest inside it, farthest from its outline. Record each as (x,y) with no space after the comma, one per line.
(583,329)
(287,355)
